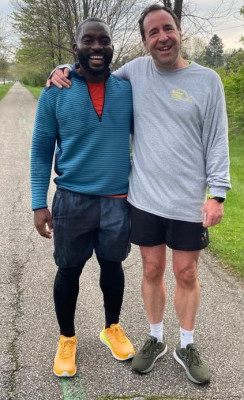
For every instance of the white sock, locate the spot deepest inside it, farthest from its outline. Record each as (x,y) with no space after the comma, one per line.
(186,337)
(157,331)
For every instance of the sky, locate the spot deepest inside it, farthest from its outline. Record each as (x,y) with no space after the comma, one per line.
(229,28)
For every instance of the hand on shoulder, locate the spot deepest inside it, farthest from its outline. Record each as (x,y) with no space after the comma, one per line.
(59,78)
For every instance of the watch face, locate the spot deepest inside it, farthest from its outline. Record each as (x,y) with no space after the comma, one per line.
(219,199)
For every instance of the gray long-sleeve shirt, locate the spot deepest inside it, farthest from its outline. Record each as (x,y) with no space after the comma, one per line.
(180,142)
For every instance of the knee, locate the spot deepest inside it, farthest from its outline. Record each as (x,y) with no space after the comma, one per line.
(187,277)
(153,273)
(69,273)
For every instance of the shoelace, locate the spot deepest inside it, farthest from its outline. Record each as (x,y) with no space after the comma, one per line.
(148,345)
(118,331)
(66,349)
(193,356)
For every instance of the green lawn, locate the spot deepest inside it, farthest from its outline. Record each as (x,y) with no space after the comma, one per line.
(36,91)
(4,89)
(227,238)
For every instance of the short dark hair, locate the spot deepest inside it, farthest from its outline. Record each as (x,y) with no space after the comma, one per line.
(82,23)
(156,7)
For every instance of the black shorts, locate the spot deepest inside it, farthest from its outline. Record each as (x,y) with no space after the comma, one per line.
(151,230)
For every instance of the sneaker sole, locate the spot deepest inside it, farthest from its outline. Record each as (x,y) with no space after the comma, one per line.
(149,369)
(106,342)
(189,376)
(65,374)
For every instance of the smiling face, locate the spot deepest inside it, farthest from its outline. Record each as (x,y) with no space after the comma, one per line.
(162,40)
(94,49)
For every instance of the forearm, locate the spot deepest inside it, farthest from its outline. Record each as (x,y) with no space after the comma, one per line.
(215,141)
(61,66)
(41,165)
(43,146)
(217,169)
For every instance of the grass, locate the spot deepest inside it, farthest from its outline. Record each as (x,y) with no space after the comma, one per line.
(36,91)
(4,89)
(150,397)
(227,238)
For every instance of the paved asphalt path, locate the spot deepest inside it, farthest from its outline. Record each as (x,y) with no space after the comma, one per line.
(29,331)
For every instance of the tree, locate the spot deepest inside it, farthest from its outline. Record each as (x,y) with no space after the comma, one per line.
(214,52)
(4,65)
(43,31)
(178,5)
(242,14)
(193,49)
(235,60)
(4,69)
(234,90)
(47,28)
(3,45)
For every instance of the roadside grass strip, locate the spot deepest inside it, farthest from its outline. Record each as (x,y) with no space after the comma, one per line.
(35,91)
(73,388)
(227,238)
(4,89)
(138,396)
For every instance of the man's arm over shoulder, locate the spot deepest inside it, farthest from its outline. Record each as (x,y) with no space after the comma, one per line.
(122,72)
(128,69)
(60,76)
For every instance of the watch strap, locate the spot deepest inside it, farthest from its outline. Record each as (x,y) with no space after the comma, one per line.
(218,199)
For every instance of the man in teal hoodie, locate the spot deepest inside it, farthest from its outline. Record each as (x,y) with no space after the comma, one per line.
(88,129)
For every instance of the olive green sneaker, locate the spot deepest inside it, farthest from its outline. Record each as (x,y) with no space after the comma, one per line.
(196,370)
(145,359)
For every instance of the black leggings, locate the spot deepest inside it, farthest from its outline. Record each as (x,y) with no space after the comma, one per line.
(66,289)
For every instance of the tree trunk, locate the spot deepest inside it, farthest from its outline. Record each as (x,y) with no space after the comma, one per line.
(178,8)
(167,3)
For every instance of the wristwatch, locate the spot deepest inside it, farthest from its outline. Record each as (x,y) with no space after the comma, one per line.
(218,199)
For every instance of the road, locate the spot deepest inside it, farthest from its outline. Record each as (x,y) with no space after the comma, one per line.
(29,331)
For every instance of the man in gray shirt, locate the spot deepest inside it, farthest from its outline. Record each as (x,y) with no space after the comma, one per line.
(180,151)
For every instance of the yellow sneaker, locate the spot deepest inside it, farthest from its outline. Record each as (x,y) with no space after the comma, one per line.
(114,338)
(64,362)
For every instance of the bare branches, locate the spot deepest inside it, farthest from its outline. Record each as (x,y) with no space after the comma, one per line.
(194,22)
(47,27)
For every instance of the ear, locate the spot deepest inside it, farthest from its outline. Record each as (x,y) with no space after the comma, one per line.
(145,45)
